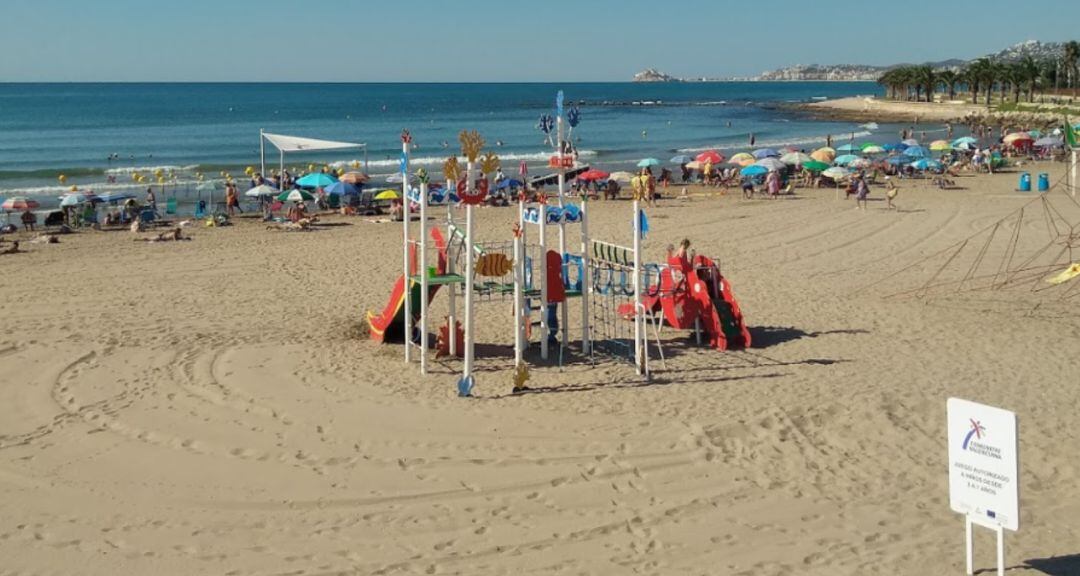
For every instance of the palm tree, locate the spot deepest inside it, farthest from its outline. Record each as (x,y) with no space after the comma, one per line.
(890,80)
(973,77)
(925,75)
(1001,72)
(1028,72)
(1071,53)
(948,79)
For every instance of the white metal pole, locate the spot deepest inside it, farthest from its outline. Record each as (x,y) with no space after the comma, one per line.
(405,243)
(423,278)
(542,209)
(1000,551)
(562,226)
(969,546)
(1072,177)
(262,152)
(519,288)
(451,318)
(586,285)
(638,316)
(469,257)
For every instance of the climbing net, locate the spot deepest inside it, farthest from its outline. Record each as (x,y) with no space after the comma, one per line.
(612,304)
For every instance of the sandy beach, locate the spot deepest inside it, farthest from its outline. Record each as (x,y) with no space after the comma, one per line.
(214,407)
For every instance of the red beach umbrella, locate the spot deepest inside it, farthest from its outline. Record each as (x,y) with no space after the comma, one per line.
(710,156)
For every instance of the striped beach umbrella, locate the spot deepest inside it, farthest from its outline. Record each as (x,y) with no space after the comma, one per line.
(19,204)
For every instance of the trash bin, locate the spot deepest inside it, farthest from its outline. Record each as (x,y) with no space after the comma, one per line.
(1025,182)
(1044,182)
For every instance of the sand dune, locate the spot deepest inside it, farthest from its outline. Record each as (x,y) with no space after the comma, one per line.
(205,407)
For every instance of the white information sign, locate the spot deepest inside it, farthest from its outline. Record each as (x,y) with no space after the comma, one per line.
(984,464)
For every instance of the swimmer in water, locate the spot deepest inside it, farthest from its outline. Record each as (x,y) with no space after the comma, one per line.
(644,134)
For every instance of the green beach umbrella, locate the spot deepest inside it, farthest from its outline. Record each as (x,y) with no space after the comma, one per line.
(815,166)
(295,196)
(866,145)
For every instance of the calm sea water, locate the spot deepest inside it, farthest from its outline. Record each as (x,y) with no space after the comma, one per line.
(72,129)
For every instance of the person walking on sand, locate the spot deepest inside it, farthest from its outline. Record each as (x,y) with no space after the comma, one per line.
(862,192)
(151,200)
(891,190)
(230,199)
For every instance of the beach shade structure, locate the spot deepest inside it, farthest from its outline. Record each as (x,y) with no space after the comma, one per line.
(845,159)
(815,166)
(1018,138)
(387,195)
(115,196)
(926,164)
(771,164)
(621,176)
(1050,142)
(296,195)
(508,183)
(940,146)
(965,140)
(19,204)
(681,159)
(910,142)
(766,153)
(316,180)
(754,170)
(916,152)
(261,190)
(836,173)
(742,159)
(340,188)
(873,149)
(849,148)
(353,178)
(592,175)
(859,163)
(826,155)
(648,163)
(710,156)
(796,158)
(695,165)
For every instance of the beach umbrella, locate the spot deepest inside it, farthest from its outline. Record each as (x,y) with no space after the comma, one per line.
(1049,142)
(115,196)
(796,158)
(648,163)
(742,159)
(766,153)
(815,166)
(964,140)
(695,165)
(508,183)
(1035,133)
(826,155)
(74,199)
(593,174)
(681,159)
(19,204)
(710,156)
(387,195)
(1016,137)
(859,163)
(836,173)
(873,149)
(866,145)
(910,142)
(296,195)
(261,190)
(353,178)
(771,164)
(621,176)
(849,148)
(940,146)
(845,159)
(926,164)
(754,170)
(340,188)
(894,147)
(916,152)
(316,180)
(898,160)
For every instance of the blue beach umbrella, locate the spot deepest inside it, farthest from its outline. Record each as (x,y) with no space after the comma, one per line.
(508,183)
(917,152)
(766,153)
(894,147)
(681,159)
(845,159)
(316,180)
(964,140)
(342,189)
(926,164)
(754,170)
(115,196)
(849,148)
(648,163)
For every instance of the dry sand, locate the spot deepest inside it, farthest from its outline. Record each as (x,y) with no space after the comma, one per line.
(876,109)
(205,407)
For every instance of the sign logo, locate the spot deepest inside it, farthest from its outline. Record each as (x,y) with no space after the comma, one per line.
(977,431)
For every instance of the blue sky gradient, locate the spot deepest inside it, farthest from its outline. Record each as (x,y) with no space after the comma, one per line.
(486,40)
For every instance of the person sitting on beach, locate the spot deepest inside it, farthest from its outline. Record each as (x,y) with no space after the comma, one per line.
(14,249)
(174,235)
(297,212)
(29,219)
(611,192)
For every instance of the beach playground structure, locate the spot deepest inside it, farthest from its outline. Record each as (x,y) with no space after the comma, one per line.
(619,296)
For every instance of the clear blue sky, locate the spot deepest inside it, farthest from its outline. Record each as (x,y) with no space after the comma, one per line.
(486,40)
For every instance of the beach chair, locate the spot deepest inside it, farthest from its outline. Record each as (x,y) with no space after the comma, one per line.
(333,201)
(367,203)
(148,216)
(200,210)
(170,207)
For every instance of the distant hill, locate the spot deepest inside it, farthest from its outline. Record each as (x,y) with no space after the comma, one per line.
(860,72)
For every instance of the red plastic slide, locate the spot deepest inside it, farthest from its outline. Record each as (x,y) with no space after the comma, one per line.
(390,324)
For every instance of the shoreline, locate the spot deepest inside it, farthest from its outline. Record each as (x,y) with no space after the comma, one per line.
(872,109)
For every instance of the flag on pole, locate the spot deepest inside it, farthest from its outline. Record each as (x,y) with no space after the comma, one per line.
(644,225)
(1070,135)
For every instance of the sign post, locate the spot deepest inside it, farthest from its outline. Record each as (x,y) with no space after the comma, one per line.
(984,471)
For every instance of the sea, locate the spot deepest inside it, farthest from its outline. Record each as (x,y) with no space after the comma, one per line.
(98,135)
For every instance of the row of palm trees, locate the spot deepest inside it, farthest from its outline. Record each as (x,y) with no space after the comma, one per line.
(980,78)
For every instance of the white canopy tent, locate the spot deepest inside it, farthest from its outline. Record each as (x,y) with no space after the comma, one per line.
(298,144)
